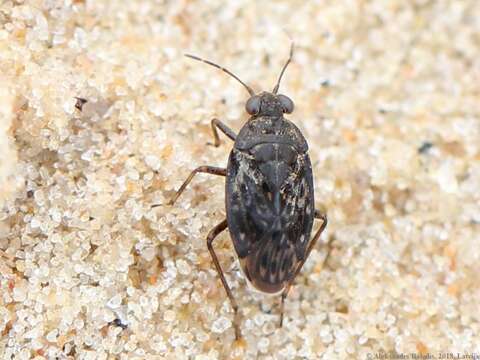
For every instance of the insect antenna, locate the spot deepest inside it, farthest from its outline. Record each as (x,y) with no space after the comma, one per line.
(275,89)
(249,89)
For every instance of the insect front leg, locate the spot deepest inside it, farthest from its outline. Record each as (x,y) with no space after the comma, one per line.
(211,236)
(323,217)
(223,128)
(201,169)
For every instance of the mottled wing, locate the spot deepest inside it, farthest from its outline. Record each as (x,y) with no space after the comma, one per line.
(270,207)
(299,208)
(248,206)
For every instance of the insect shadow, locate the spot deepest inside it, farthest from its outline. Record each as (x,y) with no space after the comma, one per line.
(269,194)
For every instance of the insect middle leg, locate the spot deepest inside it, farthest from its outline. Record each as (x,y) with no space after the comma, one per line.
(201,169)
(211,236)
(323,217)
(223,128)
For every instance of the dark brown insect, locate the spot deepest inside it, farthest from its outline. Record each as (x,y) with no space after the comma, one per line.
(269,194)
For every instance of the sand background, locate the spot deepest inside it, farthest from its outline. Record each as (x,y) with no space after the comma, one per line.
(387,94)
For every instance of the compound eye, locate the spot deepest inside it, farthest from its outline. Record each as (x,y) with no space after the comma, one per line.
(287,103)
(253,105)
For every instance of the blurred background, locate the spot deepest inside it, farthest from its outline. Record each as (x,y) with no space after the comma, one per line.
(102,116)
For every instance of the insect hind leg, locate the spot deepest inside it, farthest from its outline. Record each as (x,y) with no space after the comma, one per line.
(321,216)
(211,236)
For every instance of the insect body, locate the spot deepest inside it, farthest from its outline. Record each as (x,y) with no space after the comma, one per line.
(269,195)
(269,200)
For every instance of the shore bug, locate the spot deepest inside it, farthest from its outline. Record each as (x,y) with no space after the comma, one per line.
(269,195)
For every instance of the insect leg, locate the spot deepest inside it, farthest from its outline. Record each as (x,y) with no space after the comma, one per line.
(211,236)
(223,128)
(201,169)
(323,217)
